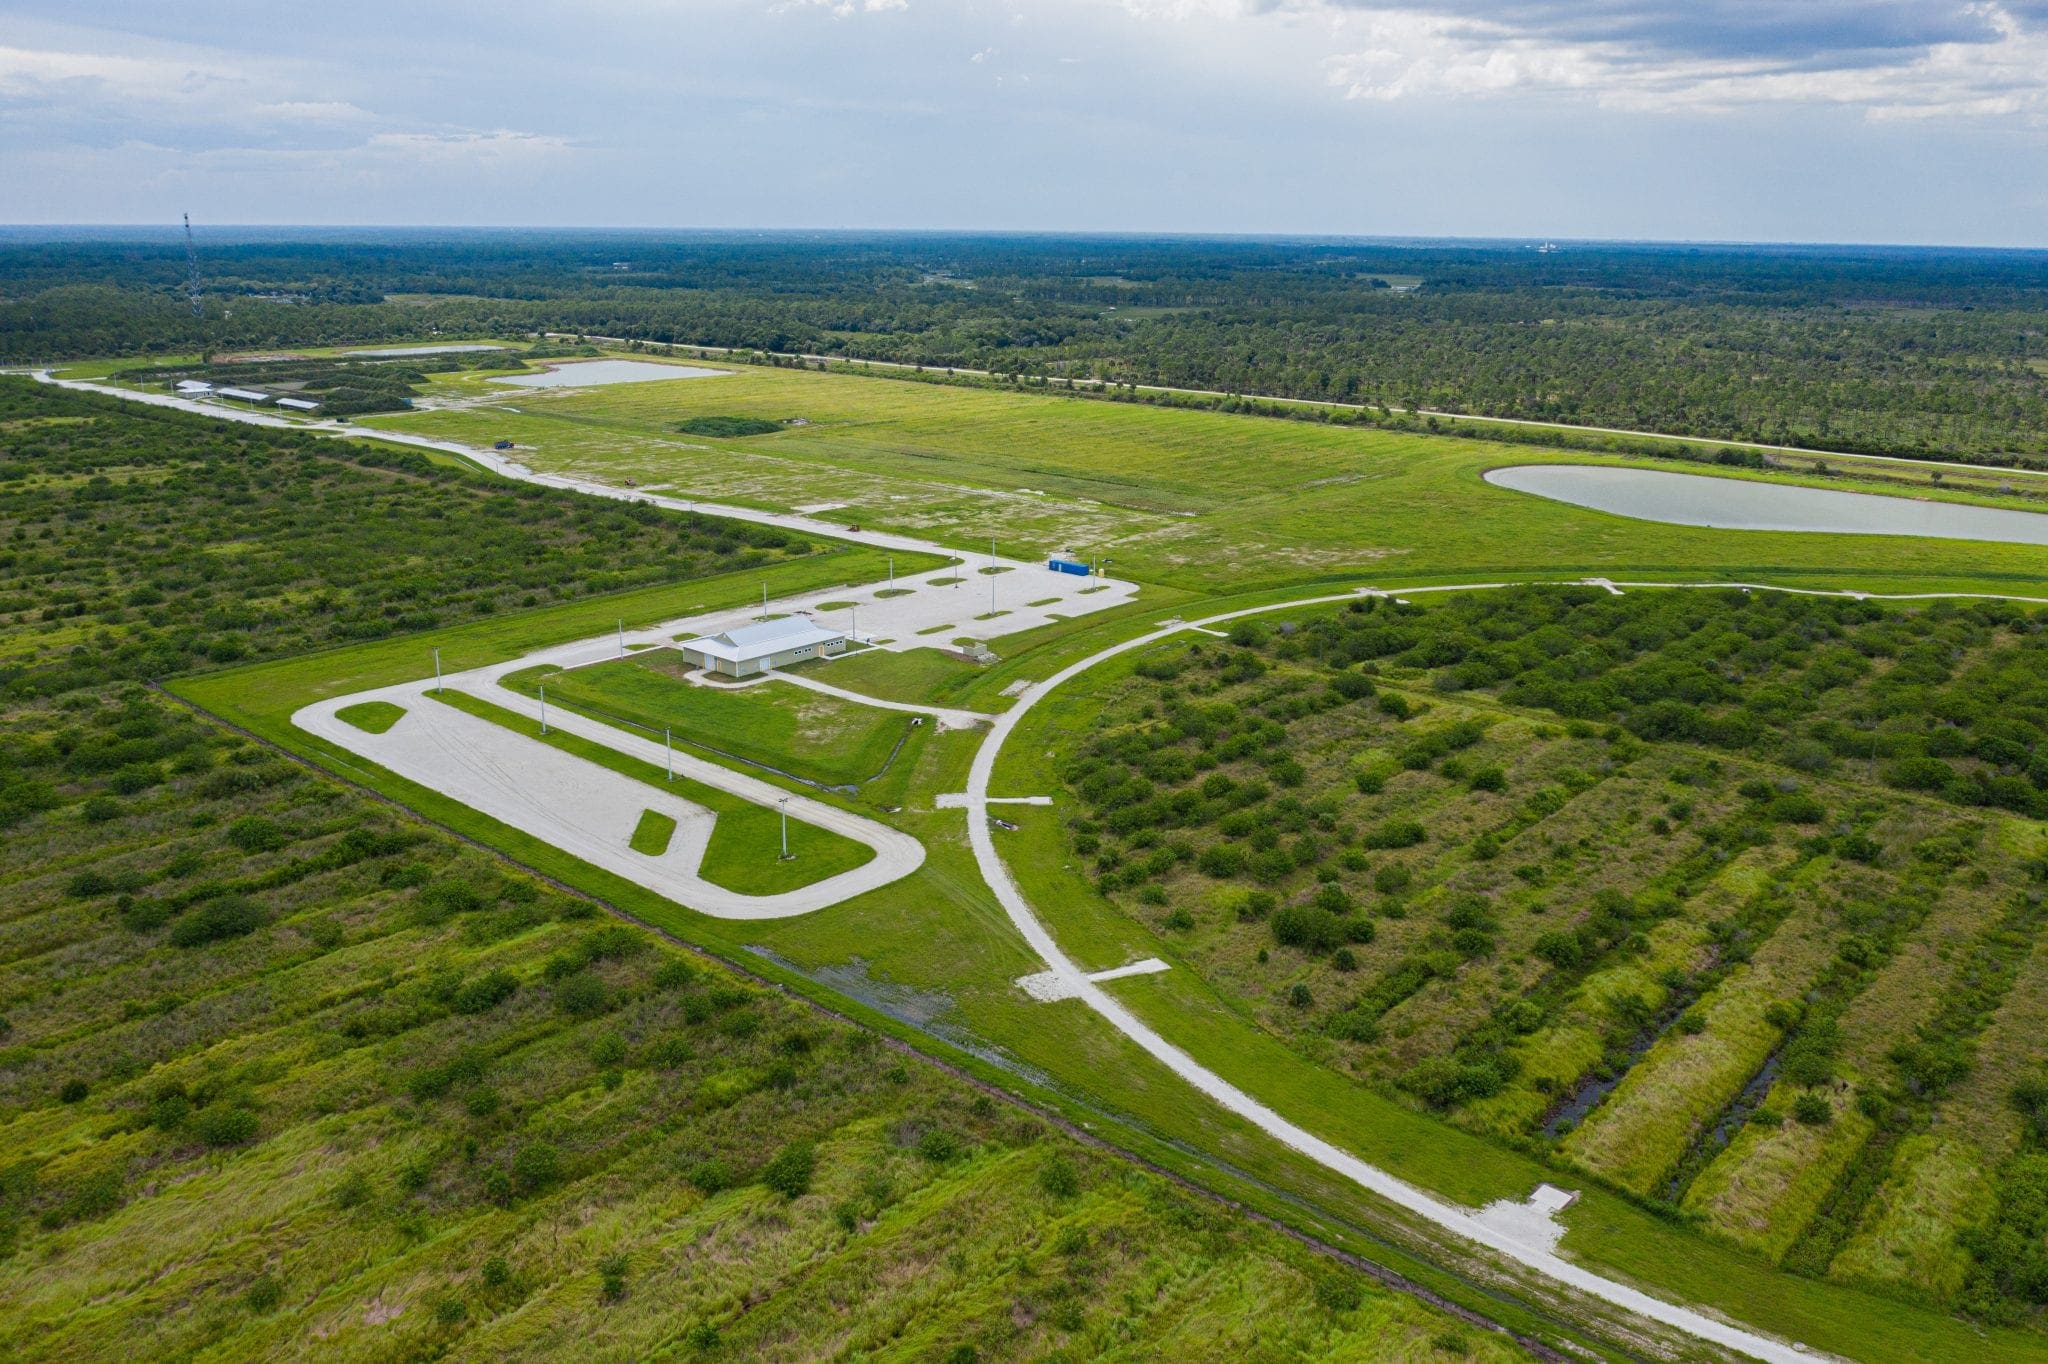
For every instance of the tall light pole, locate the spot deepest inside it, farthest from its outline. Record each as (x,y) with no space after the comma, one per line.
(437,672)
(764,599)
(892,572)
(668,747)
(783,805)
(622,636)
(543,708)
(854,633)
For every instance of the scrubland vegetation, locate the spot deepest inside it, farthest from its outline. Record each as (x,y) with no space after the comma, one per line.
(1728,900)
(284,1070)
(138,543)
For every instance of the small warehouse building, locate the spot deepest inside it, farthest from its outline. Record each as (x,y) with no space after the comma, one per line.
(299,404)
(247,395)
(753,649)
(193,387)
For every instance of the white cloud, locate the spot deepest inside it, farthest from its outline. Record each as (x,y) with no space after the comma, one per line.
(1411,54)
(503,144)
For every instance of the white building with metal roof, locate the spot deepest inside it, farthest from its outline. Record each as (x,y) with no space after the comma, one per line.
(752,649)
(247,395)
(299,404)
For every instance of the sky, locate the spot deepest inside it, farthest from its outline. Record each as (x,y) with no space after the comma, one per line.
(1914,121)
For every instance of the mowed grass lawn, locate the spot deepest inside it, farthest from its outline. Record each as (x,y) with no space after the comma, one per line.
(1196,499)
(804,733)
(927,677)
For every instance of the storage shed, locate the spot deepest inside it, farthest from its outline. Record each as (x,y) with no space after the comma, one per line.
(752,649)
(299,404)
(247,395)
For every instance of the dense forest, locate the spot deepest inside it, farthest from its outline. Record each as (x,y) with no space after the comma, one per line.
(1888,351)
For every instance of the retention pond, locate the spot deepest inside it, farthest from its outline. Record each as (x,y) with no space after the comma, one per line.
(592,373)
(1745,504)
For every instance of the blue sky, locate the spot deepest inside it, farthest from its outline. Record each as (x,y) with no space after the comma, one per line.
(1831,120)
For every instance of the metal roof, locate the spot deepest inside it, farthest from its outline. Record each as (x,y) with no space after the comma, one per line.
(763,638)
(301,404)
(247,395)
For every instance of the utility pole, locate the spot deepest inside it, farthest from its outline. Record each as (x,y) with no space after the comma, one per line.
(783,805)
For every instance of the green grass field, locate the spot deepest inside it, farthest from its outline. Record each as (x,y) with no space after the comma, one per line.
(807,734)
(1195,499)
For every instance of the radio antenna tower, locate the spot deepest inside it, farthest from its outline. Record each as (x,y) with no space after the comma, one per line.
(192,269)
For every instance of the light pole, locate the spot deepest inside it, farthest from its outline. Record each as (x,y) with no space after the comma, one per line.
(437,672)
(892,572)
(668,748)
(854,632)
(764,601)
(783,805)
(543,708)
(622,636)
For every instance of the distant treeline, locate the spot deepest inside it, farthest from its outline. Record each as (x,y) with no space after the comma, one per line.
(1884,351)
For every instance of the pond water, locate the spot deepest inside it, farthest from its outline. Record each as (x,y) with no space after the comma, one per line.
(1741,504)
(428,350)
(592,373)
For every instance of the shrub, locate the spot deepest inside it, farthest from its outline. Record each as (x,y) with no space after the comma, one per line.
(1489,779)
(264,1294)
(536,1165)
(1812,1110)
(1795,807)
(100,809)
(1919,774)
(72,1091)
(225,1126)
(1180,921)
(1562,950)
(789,1173)
(611,1272)
(1298,996)
(1308,927)
(1221,860)
(582,996)
(711,1176)
(256,834)
(230,916)
(1058,1178)
(1394,833)
(938,1146)
(485,992)
(1392,879)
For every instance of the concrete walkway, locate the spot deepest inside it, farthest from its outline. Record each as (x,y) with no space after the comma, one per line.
(588,810)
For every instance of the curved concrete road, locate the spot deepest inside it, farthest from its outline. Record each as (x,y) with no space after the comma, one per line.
(1530,1241)
(589,811)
